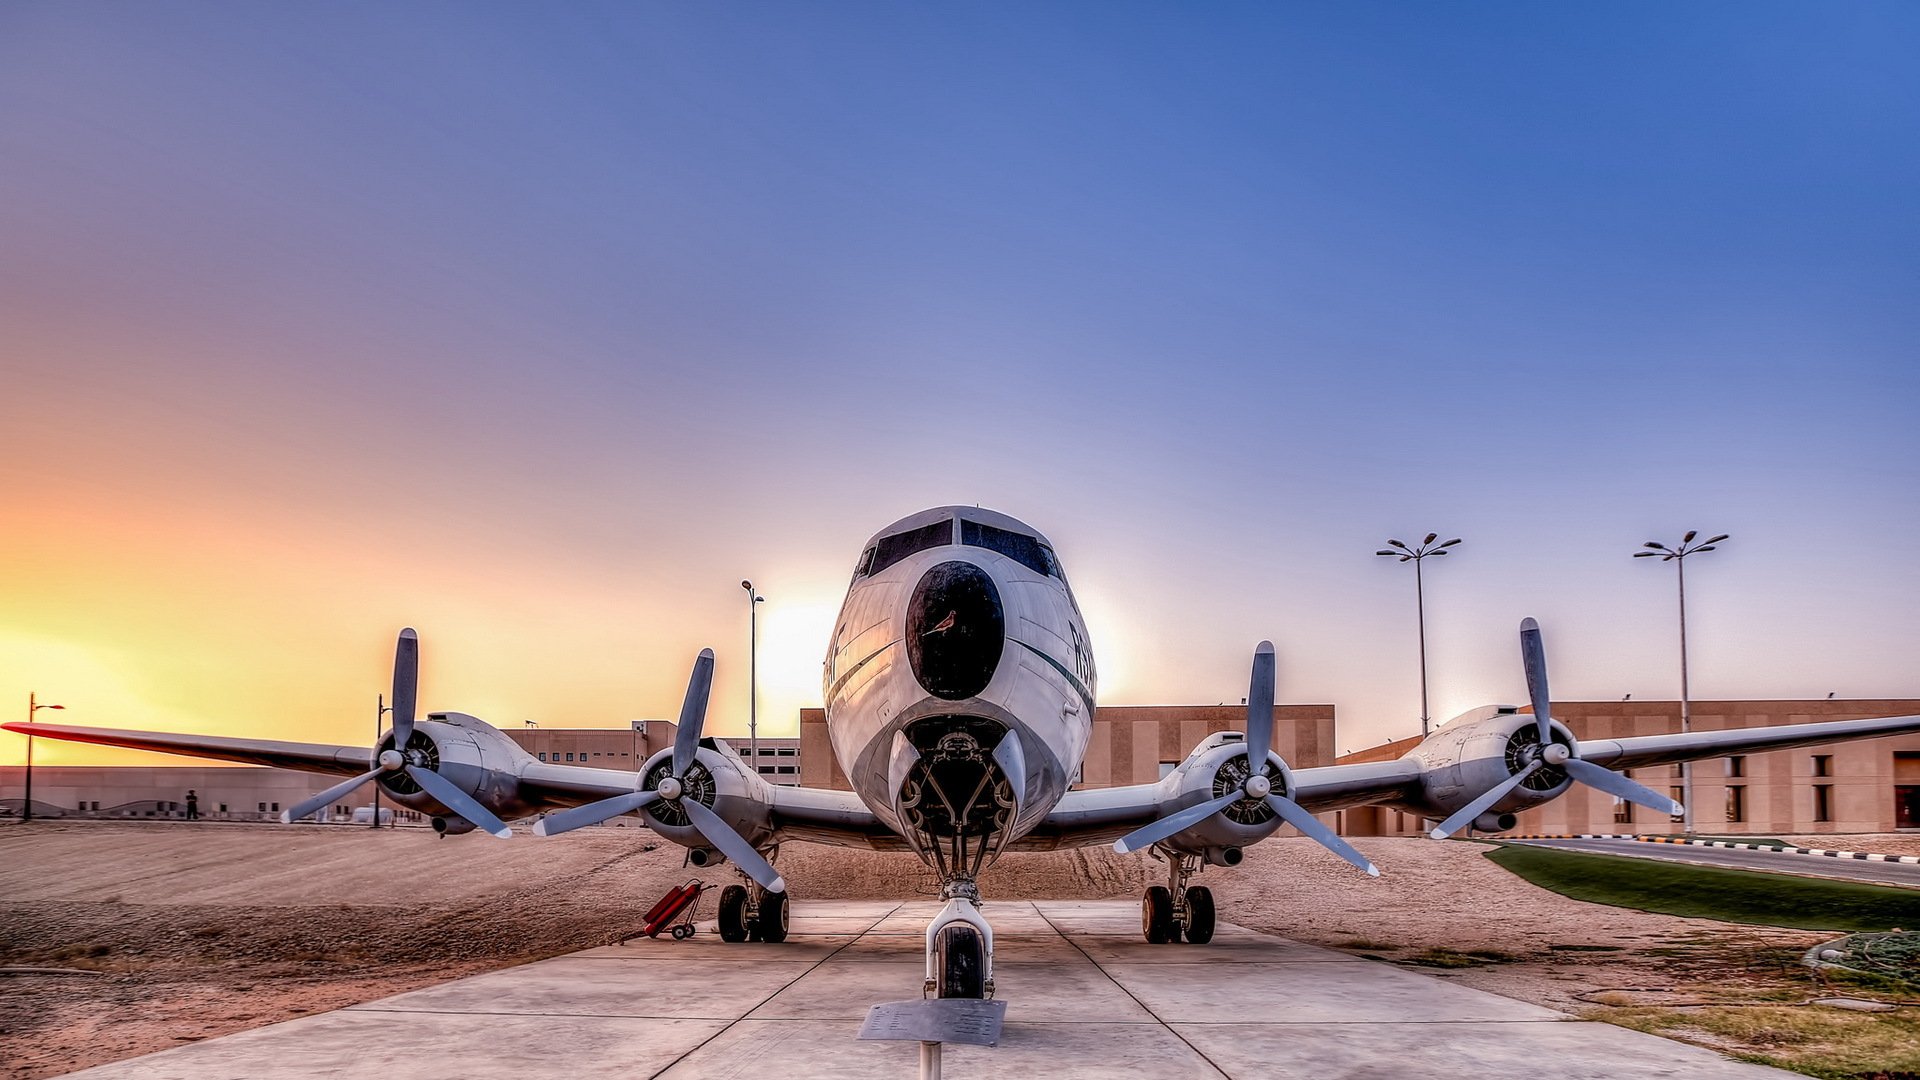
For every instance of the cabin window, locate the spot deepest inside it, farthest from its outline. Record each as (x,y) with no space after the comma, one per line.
(1026,550)
(893,548)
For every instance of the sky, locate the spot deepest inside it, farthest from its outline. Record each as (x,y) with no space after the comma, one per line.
(539,327)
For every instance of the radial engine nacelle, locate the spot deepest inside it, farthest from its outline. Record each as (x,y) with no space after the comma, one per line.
(1216,766)
(721,782)
(1479,751)
(468,753)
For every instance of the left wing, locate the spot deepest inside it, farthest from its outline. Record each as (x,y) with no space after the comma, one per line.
(305,757)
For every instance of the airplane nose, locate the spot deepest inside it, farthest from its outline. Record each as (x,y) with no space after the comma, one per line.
(955,630)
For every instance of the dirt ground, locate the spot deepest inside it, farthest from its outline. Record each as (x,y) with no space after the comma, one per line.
(167,933)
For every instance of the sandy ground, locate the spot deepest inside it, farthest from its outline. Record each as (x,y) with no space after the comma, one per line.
(186,932)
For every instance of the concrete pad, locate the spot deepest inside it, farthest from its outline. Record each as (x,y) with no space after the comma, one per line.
(1369,992)
(798,1050)
(692,989)
(1538,1051)
(1086,998)
(355,1045)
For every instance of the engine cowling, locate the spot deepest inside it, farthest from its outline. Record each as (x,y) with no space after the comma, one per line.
(1216,766)
(1474,754)
(470,754)
(723,784)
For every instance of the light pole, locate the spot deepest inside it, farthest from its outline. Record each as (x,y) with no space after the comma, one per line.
(754,600)
(33,706)
(380,710)
(1678,557)
(1416,555)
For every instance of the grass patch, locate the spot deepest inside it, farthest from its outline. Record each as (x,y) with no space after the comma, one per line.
(1835,1044)
(1713,892)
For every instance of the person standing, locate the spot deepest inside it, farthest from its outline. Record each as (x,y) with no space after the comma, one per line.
(193,806)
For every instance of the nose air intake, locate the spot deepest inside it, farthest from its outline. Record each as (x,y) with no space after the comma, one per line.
(955,630)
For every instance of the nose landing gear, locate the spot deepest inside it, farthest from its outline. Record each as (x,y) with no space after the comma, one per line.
(960,948)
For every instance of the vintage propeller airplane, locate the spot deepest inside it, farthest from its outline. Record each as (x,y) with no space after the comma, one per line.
(959,691)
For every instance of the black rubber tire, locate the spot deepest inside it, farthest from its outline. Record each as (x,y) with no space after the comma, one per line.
(733,913)
(682,932)
(1156,916)
(1199,915)
(772,924)
(960,958)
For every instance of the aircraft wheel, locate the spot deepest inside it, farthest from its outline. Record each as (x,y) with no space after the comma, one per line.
(1199,915)
(1156,916)
(772,924)
(960,958)
(733,913)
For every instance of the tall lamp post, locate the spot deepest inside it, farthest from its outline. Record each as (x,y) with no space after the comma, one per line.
(1678,557)
(754,600)
(33,706)
(1416,555)
(380,711)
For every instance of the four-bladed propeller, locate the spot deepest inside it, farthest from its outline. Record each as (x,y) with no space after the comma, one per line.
(1550,754)
(406,758)
(1258,785)
(674,789)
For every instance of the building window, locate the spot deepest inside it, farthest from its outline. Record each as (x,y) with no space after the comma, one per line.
(1823,802)
(263,808)
(1823,766)
(1736,802)
(786,770)
(1622,812)
(1167,767)
(276,806)
(788,751)
(569,755)
(543,755)
(223,807)
(1737,766)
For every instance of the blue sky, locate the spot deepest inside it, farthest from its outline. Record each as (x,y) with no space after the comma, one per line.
(540,327)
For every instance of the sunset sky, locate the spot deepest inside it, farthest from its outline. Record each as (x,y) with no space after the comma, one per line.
(538,327)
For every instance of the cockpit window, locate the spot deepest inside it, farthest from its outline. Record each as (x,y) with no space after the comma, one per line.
(891,549)
(1026,550)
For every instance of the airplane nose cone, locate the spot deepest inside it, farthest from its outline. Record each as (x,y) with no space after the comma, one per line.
(955,630)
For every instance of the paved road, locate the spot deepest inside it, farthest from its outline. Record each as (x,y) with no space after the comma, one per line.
(1881,873)
(1086,998)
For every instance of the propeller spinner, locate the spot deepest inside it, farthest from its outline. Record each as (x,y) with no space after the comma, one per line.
(1257,784)
(674,789)
(1547,753)
(404,758)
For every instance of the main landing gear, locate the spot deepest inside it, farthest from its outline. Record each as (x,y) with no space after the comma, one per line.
(960,947)
(751,913)
(1175,910)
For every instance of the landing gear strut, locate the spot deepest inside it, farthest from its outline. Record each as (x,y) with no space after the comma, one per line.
(1175,910)
(960,947)
(751,913)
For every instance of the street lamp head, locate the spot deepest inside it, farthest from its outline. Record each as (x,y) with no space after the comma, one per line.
(1655,544)
(1704,547)
(1691,533)
(1396,544)
(747,585)
(1405,558)
(1645,554)
(1716,539)
(1438,551)
(1431,537)
(1386,553)
(1451,542)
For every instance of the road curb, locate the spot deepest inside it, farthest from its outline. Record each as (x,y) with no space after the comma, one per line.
(1860,856)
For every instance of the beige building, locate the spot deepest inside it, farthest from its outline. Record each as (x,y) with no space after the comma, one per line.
(1869,785)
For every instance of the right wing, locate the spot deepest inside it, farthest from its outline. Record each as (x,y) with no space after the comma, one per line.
(306,757)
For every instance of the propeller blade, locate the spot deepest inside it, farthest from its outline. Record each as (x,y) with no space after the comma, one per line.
(1260,708)
(1297,816)
(406,685)
(1465,815)
(1614,784)
(693,714)
(1151,834)
(1533,653)
(594,813)
(302,809)
(1012,760)
(733,845)
(458,801)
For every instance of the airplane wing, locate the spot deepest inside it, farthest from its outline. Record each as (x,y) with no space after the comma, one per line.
(1647,750)
(1092,816)
(826,816)
(305,757)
